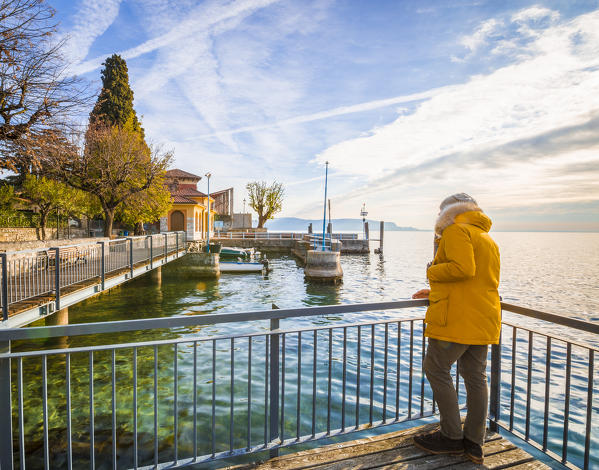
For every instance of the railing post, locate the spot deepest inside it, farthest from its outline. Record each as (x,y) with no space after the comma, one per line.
(102,266)
(177,242)
(165,248)
(4,287)
(6,449)
(151,252)
(130,256)
(57,277)
(495,398)
(274,386)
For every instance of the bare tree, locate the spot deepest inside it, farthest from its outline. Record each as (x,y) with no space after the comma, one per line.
(114,164)
(36,92)
(265,199)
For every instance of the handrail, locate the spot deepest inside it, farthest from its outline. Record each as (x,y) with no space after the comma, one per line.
(553,318)
(11,334)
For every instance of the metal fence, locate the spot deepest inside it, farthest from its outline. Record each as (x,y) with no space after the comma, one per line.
(195,399)
(25,275)
(539,396)
(282,235)
(259,235)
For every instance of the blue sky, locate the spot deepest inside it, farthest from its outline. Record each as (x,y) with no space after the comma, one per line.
(409,101)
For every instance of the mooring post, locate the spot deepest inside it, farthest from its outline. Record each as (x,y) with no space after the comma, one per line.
(382,230)
(151,252)
(274,385)
(57,277)
(177,242)
(102,265)
(495,397)
(4,287)
(6,444)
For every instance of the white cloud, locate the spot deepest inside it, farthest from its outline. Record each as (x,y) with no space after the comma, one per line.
(481,35)
(340,111)
(201,20)
(487,134)
(91,19)
(535,14)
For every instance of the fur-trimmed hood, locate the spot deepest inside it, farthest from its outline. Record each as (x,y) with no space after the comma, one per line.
(448,216)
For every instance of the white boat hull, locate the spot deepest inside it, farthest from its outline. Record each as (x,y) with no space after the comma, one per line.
(240,267)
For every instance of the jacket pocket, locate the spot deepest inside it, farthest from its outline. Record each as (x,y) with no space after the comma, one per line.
(436,314)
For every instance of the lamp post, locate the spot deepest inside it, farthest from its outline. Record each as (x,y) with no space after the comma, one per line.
(243,216)
(363,213)
(208,175)
(324,215)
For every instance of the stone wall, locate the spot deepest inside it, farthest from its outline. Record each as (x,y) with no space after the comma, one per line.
(19,235)
(38,244)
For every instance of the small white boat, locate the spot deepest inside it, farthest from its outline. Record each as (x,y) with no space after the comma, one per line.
(241,267)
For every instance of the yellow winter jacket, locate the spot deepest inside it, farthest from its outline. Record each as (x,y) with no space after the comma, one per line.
(464,277)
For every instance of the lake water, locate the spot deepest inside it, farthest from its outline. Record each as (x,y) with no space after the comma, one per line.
(552,272)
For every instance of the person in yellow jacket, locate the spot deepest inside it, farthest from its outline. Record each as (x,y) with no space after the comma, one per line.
(463,318)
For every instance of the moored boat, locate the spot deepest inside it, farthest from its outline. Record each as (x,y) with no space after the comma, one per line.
(236,253)
(241,266)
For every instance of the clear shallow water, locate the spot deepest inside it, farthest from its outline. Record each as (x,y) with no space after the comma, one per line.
(554,272)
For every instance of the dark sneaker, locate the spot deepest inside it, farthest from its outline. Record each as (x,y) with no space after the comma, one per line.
(437,443)
(473,451)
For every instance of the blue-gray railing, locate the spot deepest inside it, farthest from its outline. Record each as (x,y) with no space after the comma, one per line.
(197,398)
(27,274)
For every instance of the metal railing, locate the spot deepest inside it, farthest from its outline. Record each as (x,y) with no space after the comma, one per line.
(543,374)
(259,235)
(25,275)
(195,399)
(316,241)
(281,235)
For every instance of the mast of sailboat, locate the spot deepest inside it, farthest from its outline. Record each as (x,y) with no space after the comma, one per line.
(324,215)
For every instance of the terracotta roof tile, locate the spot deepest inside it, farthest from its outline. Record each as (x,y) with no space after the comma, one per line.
(182,200)
(176,173)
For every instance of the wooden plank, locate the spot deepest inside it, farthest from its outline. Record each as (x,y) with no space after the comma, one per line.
(346,448)
(412,457)
(535,464)
(507,459)
(331,455)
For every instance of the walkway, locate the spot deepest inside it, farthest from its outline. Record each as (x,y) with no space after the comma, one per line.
(32,287)
(396,451)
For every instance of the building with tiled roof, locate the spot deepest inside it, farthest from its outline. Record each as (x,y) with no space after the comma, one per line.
(190,206)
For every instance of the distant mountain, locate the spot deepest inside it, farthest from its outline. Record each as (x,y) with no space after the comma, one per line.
(291,224)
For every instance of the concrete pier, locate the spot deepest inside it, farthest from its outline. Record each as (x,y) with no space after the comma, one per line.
(197,266)
(61,317)
(323,266)
(156,275)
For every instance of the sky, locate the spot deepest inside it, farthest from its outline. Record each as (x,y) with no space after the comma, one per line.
(408,101)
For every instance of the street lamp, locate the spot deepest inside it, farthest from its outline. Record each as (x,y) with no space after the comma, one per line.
(208,175)
(243,216)
(363,214)
(324,215)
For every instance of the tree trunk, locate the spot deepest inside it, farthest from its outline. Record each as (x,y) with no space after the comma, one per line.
(261,220)
(108,220)
(139,228)
(43,217)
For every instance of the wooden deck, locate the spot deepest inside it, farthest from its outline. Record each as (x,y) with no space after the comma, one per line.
(396,451)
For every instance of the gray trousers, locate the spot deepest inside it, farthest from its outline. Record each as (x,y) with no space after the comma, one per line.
(472,364)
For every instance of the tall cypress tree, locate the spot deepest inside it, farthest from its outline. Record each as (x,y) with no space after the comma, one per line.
(115,103)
